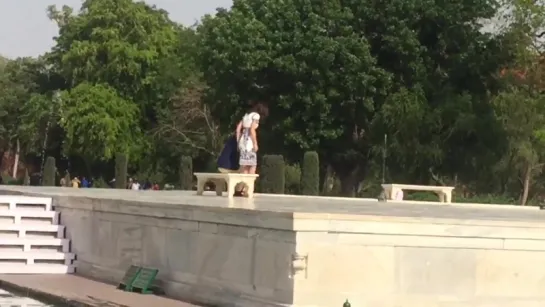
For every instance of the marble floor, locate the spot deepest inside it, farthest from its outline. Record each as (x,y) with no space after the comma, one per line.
(308,204)
(79,291)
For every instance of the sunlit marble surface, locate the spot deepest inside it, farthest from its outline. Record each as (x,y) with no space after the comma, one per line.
(306,204)
(13,300)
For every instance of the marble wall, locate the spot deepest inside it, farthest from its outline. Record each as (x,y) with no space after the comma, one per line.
(396,262)
(235,257)
(199,261)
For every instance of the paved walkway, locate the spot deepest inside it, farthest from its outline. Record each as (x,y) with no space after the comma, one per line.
(78,291)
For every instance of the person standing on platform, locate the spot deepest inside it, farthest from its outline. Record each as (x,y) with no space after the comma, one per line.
(246,132)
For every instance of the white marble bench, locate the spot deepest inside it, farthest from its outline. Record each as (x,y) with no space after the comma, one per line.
(444,193)
(229,179)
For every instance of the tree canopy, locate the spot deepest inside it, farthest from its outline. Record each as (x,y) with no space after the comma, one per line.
(418,86)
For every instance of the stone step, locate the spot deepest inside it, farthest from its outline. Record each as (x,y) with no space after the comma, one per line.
(29,216)
(34,256)
(12,202)
(23,230)
(27,244)
(42,268)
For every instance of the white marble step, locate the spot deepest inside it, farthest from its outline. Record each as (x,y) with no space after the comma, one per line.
(35,255)
(18,214)
(34,243)
(18,268)
(22,229)
(18,201)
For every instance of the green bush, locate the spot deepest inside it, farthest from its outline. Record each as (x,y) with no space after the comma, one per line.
(121,163)
(272,174)
(8,180)
(100,183)
(293,179)
(186,173)
(310,175)
(50,169)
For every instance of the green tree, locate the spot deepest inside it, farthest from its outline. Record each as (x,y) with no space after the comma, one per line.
(135,52)
(98,123)
(186,173)
(520,107)
(121,162)
(310,176)
(19,84)
(273,174)
(49,172)
(328,68)
(115,42)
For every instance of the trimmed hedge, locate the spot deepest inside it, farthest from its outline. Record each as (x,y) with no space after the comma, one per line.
(310,176)
(121,163)
(186,173)
(48,179)
(293,179)
(273,174)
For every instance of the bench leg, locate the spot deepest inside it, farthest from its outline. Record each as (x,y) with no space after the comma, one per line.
(200,186)
(219,186)
(231,188)
(393,194)
(250,186)
(448,197)
(387,193)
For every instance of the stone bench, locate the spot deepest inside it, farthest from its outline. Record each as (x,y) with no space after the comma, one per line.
(444,193)
(229,179)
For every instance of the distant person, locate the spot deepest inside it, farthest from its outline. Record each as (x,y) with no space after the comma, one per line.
(147,185)
(129,184)
(155,187)
(63,182)
(84,183)
(75,182)
(135,185)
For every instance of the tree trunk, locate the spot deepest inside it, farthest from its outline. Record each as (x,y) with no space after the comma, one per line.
(16,162)
(349,184)
(526,185)
(328,181)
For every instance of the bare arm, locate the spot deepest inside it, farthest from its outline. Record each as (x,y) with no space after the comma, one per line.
(253,135)
(239,130)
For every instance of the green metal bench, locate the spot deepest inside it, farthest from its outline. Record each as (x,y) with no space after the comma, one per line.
(138,279)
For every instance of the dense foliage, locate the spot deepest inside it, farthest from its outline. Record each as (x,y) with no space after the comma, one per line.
(413,91)
(50,170)
(272,178)
(310,175)
(121,162)
(186,173)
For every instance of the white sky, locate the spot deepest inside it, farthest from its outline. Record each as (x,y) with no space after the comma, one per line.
(25,29)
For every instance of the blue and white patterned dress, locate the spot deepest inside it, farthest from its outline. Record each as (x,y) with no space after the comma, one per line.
(248,156)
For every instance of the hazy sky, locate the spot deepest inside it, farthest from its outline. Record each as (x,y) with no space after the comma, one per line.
(25,29)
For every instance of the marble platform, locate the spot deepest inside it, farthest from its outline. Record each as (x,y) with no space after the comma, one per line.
(308,251)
